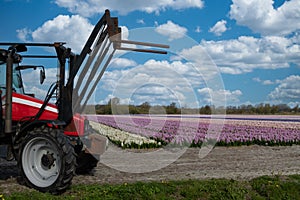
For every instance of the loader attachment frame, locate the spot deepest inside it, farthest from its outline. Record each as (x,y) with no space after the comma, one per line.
(97,53)
(100,47)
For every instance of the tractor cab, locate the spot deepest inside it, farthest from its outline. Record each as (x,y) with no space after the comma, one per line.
(22,101)
(16,75)
(17,81)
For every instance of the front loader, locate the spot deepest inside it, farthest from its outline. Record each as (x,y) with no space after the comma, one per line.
(51,140)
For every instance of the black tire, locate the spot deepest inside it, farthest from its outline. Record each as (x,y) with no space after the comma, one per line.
(86,162)
(46,160)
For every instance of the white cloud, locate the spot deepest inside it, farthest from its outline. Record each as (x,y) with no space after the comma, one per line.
(122,63)
(171,30)
(91,7)
(219,97)
(244,54)
(219,28)
(157,94)
(198,29)
(140,21)
(256,79)
(106,100)
(287,91)
(74,30)
(71,29)
(293,104)
(23,34)
(154,82)
(267,82)
(201,61)
(263,18)
(232,70)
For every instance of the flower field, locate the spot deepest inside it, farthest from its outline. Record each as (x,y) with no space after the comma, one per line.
(196,130)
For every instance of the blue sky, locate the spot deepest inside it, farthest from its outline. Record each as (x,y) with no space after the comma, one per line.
(228,52)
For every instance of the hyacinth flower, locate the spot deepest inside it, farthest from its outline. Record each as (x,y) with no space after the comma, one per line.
(243,131)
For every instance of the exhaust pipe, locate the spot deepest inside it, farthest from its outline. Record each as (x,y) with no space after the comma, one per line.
(8,101)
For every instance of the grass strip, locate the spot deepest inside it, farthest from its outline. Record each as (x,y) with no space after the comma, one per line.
(265,187)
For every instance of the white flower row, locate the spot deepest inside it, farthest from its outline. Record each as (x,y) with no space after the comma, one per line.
(125,138)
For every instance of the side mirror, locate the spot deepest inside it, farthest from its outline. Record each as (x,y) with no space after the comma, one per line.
(42,71)
(42,76)
(21,48)
(18,47)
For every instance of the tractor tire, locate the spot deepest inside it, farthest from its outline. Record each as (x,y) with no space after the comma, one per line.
(86,162)
(46,160)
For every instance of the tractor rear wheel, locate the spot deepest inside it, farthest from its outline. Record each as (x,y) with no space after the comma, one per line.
(47,160)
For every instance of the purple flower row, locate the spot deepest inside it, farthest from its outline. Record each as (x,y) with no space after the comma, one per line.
(196,132)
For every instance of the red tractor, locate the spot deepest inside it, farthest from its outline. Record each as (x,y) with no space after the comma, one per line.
(52,141)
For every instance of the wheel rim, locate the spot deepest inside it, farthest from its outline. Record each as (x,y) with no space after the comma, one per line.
(41,161)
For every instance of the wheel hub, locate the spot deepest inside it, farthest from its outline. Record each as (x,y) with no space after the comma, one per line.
(48,160)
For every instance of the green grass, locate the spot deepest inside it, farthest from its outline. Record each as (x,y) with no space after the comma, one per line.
(266,187)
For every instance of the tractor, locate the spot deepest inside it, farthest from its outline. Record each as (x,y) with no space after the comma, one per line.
(50,139)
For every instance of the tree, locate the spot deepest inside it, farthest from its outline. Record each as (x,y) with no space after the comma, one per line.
(283,108)
(267,109)
(205,110)
(274,109)
(133,110)
(172,108)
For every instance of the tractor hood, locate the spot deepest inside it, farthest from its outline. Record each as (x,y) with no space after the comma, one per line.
(27,106)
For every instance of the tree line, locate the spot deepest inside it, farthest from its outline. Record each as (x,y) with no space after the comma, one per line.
(114,107)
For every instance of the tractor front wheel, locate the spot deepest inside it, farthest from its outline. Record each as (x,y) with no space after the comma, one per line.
(47,160)
(86,162)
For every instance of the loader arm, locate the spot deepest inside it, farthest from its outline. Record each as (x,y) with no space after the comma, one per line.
(97,53)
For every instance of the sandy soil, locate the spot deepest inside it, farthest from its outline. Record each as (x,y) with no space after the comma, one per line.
(243,162)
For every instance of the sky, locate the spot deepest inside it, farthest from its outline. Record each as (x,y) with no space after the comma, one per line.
(223,53)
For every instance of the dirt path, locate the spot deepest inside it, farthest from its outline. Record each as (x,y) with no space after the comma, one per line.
(222,162)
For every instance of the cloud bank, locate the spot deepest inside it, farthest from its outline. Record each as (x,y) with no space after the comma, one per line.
(92,7)
(261,16)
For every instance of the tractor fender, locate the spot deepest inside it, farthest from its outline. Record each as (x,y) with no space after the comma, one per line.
(23,128)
